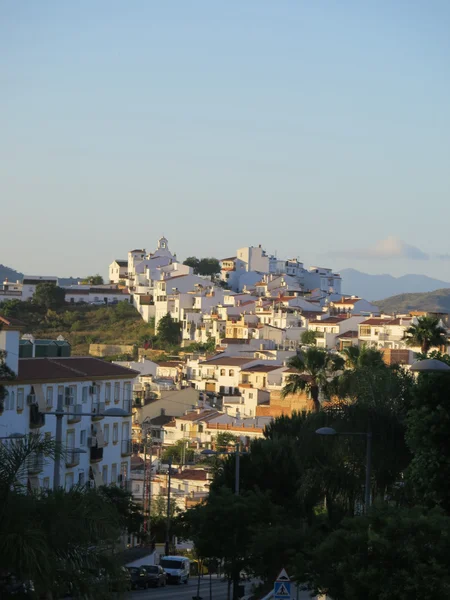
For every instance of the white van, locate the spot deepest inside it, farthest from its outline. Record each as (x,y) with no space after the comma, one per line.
(177,568)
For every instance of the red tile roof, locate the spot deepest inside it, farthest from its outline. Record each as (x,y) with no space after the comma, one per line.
(261,368)
(347,301)
(71,368)
(228,361)
(376,321)
(349,334)
(11,322)
(329,321)
(192,474)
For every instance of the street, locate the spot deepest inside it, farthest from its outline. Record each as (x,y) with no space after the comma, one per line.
(183,591)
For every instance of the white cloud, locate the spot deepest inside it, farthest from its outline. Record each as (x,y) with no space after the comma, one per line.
(389,248)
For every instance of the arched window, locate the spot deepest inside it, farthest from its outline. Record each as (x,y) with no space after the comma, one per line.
(231,373)
(222,372)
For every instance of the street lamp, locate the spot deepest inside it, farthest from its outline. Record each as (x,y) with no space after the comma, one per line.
(237,453)
(368,436)
(430,365)
(59,414)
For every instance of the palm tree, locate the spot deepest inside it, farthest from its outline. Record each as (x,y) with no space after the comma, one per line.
(362,356)
(426,332)
(315,368)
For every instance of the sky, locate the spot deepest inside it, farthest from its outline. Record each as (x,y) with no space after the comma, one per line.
(317,128)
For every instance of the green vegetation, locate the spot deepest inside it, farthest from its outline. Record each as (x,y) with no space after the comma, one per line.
(169,331)
(49,296)
(311,487)
(61,541)
(308,338)
(208,267)
(93,280)
(436,301)
(82,325)
(426,333)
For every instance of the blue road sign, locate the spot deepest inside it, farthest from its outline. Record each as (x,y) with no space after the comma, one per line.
(282,590)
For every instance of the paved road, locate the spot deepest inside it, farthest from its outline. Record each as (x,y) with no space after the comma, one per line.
(183,591)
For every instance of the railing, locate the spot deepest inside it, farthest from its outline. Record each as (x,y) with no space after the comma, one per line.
(35,463)
(75,418)
(72,459)
(97,409)
(206,376)
(96,454)
(127,447)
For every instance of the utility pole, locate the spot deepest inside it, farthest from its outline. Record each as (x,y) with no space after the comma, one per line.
(168,508)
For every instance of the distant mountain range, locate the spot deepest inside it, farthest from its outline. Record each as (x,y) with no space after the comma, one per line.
(437,301)
(13,276)
(372,287)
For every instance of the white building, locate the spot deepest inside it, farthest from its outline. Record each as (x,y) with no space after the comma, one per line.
(98,448)
(353,305)
(118,270)
(30,282)
(329,329)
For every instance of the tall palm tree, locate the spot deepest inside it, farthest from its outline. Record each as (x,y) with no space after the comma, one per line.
(315,368)
(426,332)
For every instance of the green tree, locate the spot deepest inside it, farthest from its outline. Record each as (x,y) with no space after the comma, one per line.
(362,356)
(225,439)
(391,554)
(180,453)
(193,262)
(308,338)
(315,369)
(426,333)
(209,267)
(49,296)
(93,280)
(169,330)
(11,308)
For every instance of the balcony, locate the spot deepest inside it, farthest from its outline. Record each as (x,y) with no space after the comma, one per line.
(96,454)
(127,447)
(207,376)
(72,458)
(76,416)
(35,464)
(37,419)
(97,409)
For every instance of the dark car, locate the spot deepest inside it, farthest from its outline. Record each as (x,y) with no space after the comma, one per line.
(156,575)
(139,577)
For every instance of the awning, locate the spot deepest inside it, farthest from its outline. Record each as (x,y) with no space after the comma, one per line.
(97,476)
(40,397)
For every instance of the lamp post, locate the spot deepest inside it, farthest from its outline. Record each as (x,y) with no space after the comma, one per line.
(59,414)
(169,481)
(368,436)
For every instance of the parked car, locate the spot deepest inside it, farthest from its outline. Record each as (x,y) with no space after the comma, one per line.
(177,568)
(156,575)
(139,577)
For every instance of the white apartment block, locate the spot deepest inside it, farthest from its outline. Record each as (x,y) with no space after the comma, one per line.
(98,448)
(328,329)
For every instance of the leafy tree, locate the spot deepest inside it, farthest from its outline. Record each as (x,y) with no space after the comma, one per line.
(426,333)
(315,368)
(193,262)
(428,424)
(391,554)
(49,296)
(6,374)
(362,356)
(11,308)
(308,338)
(225,439)
(93,280)
(208,267)
(179,453)
(169,330)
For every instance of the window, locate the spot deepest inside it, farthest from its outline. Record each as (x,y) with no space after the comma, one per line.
(49,396)
(113,473)
(124,470)
(182,427)
(117,391)
(106,434)
(250,396)
(107,392)
(83,437)
(115,433)
(365,330)
(105,474)
(73,393)
(84,394)
(200,428)
(222,372)
(127,390)
(81,477)
(20,394)
(68,484)
(46,483)
(231,372)
(61,393)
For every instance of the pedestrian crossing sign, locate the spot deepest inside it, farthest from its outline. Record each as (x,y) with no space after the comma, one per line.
(282,590)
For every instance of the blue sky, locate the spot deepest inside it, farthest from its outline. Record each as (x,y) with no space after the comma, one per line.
(320,129)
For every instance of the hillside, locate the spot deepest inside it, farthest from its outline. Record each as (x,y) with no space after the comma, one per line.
(84,325)
(438,301)
(371,287)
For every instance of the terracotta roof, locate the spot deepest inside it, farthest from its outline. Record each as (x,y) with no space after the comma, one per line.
(229,258)
(349,334)
(70,369)
(329,321)
(347,301)
(229,361)
(261,368)
(202,416)
(193,474)
(170,363)
(376,321)
(11,322)
(310,314)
